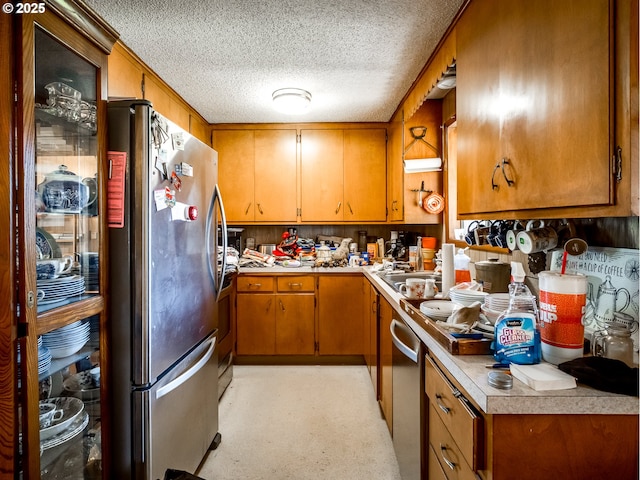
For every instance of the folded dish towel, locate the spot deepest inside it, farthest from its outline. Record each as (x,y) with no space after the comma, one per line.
(604,374)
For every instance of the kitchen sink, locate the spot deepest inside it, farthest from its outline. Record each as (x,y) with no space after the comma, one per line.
(396,279)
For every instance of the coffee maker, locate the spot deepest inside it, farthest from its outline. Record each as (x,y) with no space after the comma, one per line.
(399,249)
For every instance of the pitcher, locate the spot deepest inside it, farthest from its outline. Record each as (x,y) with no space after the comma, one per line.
(607,301)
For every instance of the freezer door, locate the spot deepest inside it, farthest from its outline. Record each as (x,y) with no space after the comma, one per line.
(179,415)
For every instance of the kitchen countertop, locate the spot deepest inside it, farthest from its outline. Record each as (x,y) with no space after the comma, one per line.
(470,370)
(471,373)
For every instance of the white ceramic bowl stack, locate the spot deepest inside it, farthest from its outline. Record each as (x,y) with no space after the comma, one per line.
(67,340)
(73,421)
(467,297)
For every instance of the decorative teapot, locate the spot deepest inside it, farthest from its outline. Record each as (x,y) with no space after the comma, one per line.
(63,191)
(607,302)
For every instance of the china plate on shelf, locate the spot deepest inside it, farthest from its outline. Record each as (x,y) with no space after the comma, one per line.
(72,408)
(46,244)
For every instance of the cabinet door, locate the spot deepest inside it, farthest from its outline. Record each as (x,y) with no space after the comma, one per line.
(386,353)
(256,324)
(534,88)
(365,175)
(340,315)
(321,154)
(125,75)
(236,153)
(295,322)
(275,176)
(395,172)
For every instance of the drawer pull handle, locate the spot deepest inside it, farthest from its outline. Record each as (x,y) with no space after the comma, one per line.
(446,410)
(295,285)
(255,285)
(449,463)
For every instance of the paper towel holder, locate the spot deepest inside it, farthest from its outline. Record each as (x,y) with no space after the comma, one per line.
(420,165)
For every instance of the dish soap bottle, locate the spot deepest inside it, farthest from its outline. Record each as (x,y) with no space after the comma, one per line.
(461,267)
(517,338)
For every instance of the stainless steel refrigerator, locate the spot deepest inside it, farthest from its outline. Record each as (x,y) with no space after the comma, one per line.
(164,285)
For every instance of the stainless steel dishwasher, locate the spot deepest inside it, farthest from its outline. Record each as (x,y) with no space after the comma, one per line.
(409,401)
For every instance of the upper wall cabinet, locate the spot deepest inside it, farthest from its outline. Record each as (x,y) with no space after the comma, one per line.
(257,174)
(535,82)
(343,175)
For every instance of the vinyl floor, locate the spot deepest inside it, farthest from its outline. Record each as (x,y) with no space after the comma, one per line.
(302,423)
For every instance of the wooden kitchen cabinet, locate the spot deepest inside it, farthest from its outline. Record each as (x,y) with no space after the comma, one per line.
(275,315)
(340,322)
(395,169)
(535,107)
(478,445)
(56,331)
(343,175)
(385,316)
(370,317)
(257,174)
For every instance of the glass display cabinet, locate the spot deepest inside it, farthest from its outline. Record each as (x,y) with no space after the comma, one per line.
(60,161)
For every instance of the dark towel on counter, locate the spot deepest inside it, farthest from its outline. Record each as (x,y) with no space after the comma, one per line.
(604,374)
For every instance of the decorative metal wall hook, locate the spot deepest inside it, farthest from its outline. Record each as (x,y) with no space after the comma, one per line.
(418,134)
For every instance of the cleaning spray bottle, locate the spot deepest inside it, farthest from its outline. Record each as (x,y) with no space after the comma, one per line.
(517,338)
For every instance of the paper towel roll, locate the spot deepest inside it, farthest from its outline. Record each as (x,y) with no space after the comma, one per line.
(448,273)
(422,165)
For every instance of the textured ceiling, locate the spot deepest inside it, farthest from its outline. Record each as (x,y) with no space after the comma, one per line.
(225,57)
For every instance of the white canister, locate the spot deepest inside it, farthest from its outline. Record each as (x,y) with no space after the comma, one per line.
(562,306)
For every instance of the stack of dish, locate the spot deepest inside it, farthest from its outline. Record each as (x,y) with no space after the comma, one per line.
(59,434)
(44,357)
(467,297)
(67,340)
(58,290)
(439,310)
(94,331)
(82,386)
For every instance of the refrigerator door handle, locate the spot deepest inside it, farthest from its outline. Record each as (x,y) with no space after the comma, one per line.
(217,277)
(175,383)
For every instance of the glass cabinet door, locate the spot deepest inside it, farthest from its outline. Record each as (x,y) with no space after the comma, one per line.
(66,169)
(62,435)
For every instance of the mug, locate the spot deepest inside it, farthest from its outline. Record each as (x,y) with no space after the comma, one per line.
(511,236)
(481,233)
(354,260)
(49,413)
(534,240)
(53,267)
(95,375)
(470,237)
(413,288)
(430,288)
(498,235)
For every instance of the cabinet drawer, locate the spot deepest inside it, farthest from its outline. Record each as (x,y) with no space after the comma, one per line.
(296,284)
(449,456)
(255,284)
(459,417)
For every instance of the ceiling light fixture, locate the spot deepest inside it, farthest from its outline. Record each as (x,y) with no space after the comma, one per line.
(293,101)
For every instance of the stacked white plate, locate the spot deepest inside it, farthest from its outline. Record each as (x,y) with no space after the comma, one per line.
(59,289)
(94,337)
(438,309)
(67,340)
(467,297)
(44,357)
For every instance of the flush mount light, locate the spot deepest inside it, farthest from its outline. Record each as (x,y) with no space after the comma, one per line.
(291,100)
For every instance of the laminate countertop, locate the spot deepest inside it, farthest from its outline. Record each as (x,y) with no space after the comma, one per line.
(471,373)
(470,370)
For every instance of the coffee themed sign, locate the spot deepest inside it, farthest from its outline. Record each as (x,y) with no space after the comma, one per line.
(613,276)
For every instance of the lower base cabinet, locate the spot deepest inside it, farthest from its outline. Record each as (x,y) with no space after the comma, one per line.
(303,315)
(465,444)
(272,319)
